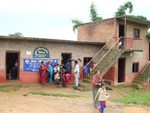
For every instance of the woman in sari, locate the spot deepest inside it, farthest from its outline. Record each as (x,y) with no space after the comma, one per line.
(43,69)
(96,83)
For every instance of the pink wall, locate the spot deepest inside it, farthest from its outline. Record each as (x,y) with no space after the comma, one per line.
(128,43)
(2,76)
(110,74)
(29,77)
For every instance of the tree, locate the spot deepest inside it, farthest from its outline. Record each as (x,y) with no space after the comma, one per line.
(122,9)
(16,35)
(76,23)
(93,13)
(93,16)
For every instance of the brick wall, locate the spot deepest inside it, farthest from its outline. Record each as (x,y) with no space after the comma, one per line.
(55,49)
(104,30)
(100,31)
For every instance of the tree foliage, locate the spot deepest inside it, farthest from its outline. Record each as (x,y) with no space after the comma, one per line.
(16,35)
(76,23)
(122,9)
(93,13)
(93,17)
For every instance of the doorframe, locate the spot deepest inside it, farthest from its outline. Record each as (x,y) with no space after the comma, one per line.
(123,72)
(18,71)
(65,53)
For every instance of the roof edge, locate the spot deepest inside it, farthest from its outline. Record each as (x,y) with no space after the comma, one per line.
(51,40)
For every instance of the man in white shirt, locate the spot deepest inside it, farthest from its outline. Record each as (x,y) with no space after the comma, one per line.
(76,74)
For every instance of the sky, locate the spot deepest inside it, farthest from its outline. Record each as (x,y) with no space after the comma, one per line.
(52,18)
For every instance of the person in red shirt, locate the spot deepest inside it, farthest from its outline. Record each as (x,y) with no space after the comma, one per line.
(43,73)
(96,83)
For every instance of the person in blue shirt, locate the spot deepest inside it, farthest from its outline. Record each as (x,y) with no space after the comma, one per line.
(68,66)
(85,71)
(50,70)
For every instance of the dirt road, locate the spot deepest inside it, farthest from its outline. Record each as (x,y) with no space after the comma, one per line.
(19,100)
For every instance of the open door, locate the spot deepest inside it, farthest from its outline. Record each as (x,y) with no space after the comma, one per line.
(121,70)
(121,34)
(12,65)
(66,61)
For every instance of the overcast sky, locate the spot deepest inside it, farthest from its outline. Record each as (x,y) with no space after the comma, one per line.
(52,18)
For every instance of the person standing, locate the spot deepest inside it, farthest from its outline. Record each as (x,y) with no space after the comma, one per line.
(102,96)
(96,83)
(43,73)
(50,70)
(76,74)
(68,66)
(85,71)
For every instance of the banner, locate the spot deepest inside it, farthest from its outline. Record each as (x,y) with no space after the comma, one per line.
(33,65)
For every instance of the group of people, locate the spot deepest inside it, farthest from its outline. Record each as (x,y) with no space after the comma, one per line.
(59,73)
(99,92)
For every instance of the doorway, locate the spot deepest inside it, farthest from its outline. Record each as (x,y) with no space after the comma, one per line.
(66,61)
(121,30)
(121,34)
(121,70)
(12,65)
(86,60)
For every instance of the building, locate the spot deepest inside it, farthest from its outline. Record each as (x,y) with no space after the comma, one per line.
(119,48)
(127,52)
(21,57)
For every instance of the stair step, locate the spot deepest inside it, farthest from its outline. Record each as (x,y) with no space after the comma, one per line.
(87,80)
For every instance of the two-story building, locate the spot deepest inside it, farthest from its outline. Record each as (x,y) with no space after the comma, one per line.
(117,46)
(127,51)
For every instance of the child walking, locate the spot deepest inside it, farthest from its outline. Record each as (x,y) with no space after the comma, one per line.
(66,79)
(57,78)
(102,96)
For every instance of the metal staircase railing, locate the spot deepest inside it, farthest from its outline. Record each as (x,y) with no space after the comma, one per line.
(99,52)
(100,55)
(108,51)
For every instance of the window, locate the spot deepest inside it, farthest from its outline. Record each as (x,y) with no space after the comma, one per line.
(135,67)
(136,33)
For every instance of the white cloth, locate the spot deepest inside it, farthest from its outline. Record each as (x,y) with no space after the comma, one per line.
(77,68)
(77,75)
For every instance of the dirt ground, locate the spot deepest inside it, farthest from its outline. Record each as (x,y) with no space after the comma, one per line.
(19,100)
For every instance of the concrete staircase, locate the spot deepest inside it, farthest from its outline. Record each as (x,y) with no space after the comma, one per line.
(108,61)
(104,59)
(110,58)
(143,76)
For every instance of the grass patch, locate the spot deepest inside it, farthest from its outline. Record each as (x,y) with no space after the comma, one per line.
(54,94)
(8,88)
(134,98)
(3,90)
